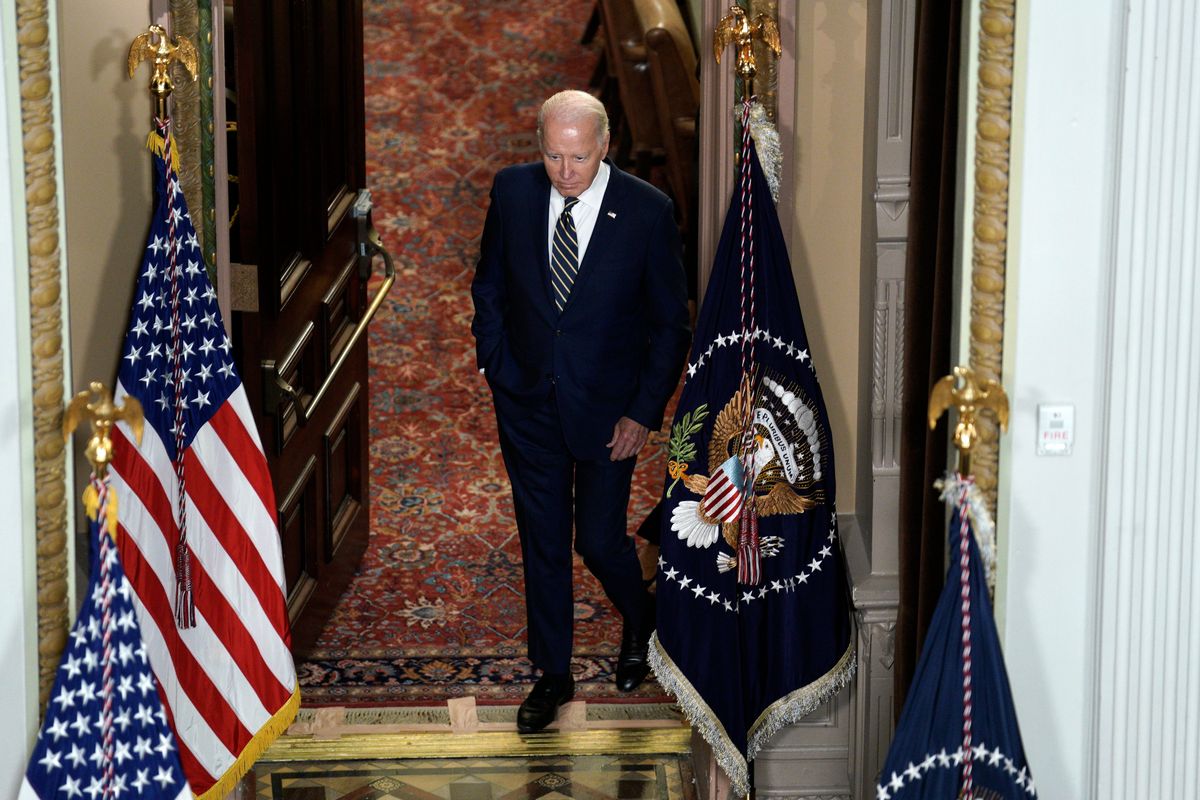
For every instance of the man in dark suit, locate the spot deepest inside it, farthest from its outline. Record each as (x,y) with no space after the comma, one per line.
(581,329)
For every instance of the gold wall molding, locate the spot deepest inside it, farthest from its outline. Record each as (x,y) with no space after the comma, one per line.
(633,741)
(46,324)
(767,82)
(993,136)
(185,113)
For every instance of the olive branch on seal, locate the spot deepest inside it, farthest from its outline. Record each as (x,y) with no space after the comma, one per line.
(680,448)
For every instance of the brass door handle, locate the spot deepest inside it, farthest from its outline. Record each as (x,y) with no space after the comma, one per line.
(370,245)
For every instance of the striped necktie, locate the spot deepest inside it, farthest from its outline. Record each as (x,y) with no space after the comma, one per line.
(564,256)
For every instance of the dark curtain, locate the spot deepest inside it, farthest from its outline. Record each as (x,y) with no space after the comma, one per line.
(927,301)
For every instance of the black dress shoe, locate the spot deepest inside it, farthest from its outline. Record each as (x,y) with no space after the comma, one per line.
(541,706)
(633,662)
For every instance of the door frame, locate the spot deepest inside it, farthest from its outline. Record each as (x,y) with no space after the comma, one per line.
(36,53)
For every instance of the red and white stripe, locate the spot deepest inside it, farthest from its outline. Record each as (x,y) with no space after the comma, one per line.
(723,497)
(225,678)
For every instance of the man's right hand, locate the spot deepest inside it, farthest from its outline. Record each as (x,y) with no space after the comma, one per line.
(628,439)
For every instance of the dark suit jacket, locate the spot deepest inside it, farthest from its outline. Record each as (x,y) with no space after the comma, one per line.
(618,347)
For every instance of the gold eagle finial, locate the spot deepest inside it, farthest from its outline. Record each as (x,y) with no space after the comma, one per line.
(737,29)
(970,398)
(155,44)
(96,406)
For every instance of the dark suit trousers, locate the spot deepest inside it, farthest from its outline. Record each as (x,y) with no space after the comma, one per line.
(544,477)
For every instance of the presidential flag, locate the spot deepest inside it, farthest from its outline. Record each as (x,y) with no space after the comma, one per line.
(753,620)
(105,732)
(197,531)
(958,735)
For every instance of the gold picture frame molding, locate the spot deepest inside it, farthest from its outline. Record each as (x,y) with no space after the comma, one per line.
(992,118)
(46,281)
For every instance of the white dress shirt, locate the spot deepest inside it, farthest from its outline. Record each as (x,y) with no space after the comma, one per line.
(584,212)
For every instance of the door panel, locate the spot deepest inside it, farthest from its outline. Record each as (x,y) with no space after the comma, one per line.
(296,515)
(299,369)
(338,312)
(293,275)
(339,33)
(345,481)
(300,149)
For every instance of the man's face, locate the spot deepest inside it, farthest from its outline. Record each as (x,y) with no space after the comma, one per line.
(572,155)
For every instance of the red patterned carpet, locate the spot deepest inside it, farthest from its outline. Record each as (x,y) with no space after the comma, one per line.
(437,609)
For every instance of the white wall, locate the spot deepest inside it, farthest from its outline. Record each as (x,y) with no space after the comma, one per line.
(1066,112)
(18,612)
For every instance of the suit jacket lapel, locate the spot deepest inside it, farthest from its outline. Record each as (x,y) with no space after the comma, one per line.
(539,226)
(606,227)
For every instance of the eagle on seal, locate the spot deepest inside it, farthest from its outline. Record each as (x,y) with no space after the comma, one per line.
(784,466)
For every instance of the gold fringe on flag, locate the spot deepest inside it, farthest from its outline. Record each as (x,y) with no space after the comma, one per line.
(154,143)
(268,733)
(91,505)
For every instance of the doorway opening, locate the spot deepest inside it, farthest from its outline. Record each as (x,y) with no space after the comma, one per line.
(435,609)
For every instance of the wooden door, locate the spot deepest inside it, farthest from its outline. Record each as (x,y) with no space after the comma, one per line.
(301,236)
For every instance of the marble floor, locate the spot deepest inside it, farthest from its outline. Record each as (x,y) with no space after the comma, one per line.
(584,777)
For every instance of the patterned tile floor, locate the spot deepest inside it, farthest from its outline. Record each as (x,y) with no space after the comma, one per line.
(590,777)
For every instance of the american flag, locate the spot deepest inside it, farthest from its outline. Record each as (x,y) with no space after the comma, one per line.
(69,758)
(723,498)
(226,671)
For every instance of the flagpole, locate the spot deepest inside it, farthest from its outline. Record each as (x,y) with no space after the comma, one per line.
(164,50)
(963,391)
(181,677)
(750,653)
(88,734)
(96,405)
(739,30)
(154,44)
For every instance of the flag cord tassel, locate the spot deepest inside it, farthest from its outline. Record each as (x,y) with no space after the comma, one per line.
(108,688)
(749,551)
(185,604)
(964,568)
